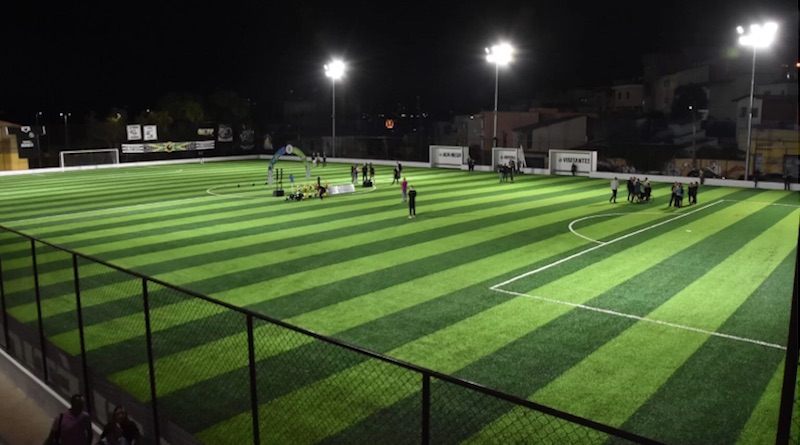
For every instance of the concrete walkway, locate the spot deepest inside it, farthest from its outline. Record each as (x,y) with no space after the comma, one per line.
(22,421)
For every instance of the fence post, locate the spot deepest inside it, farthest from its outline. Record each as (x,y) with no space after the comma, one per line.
(790,368)
(84,362)
(151,361)
(251,353)
(426,409)
(6,337)
(39,310)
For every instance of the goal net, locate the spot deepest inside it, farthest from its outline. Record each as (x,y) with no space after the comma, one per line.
(95,158)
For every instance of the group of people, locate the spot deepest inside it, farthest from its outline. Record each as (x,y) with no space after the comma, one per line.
(304,192)
(367,173)
(396,173)
(506,171)
(74,427)
(316,158)
(638,191)
(676,199)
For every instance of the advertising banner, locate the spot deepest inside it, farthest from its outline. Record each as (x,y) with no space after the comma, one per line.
(167,147)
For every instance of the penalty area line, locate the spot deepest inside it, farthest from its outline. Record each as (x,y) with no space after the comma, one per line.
(645,319)
(591,249)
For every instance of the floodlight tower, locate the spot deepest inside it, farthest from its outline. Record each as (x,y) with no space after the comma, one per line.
(334,70)
(500,54)
(759,36)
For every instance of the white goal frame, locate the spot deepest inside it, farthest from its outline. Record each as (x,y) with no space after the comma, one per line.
(114,159)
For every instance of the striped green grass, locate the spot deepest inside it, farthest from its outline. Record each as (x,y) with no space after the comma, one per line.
(670,323)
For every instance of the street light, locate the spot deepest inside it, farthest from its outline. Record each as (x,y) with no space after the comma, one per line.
(66,134)
(334,70)
(759,36)
(500,54)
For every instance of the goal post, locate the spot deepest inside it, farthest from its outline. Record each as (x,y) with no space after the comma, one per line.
(88,159)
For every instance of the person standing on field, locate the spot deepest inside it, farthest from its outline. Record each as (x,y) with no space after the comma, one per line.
(404,189)
(614,187)
(412,202)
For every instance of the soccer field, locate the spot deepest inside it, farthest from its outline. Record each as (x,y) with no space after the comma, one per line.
(669,323)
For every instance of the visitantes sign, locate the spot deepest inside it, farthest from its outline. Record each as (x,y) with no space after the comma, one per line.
(562,161)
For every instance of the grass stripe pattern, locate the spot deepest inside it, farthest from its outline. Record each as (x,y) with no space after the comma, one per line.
(667,322)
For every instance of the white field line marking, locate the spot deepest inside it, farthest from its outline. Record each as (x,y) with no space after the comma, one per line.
(645,319)
(574,232)
(762,203)
(211,192)
(100,211)
(583,252)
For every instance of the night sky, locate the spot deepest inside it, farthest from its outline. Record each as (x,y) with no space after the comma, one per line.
(74,56)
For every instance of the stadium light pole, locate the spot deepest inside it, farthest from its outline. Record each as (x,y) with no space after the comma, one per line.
(66,132)
(500,54)
(334,70)
(758,36)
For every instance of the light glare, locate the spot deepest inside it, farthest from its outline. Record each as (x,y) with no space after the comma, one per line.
(758,36)
(501,54)
(335,69)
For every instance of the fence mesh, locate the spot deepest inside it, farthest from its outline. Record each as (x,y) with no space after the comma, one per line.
(463,415)
(19,292)
(201,370)
(312,391)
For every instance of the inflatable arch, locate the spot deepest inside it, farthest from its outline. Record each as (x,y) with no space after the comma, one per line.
(288,149)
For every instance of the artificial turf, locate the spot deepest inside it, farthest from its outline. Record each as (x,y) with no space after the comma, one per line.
(539,288)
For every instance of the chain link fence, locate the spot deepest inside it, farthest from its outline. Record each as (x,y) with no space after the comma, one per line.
(193,370)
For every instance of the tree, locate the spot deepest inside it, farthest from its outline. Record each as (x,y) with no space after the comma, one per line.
(186,111)
(685,96)
(227,106)
(107,131)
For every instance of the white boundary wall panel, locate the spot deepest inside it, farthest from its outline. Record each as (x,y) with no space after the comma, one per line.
(561,162)
(448,156)
(502,155)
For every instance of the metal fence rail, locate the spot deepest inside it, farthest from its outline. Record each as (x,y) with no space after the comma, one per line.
(57,315)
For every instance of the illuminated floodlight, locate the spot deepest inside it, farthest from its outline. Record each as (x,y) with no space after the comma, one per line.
(500,54)
(759,36)
(335,69)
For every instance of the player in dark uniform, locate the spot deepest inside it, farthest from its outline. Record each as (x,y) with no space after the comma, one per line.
(412,202)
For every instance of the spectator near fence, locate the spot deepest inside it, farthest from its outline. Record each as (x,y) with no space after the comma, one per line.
(120,430)
(73,426)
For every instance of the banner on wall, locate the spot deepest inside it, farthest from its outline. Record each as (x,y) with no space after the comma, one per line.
(447,156)
(134,132)
(247,139)
(27,138)
(167,147)
(150,133)
(561,161)
(225,133)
